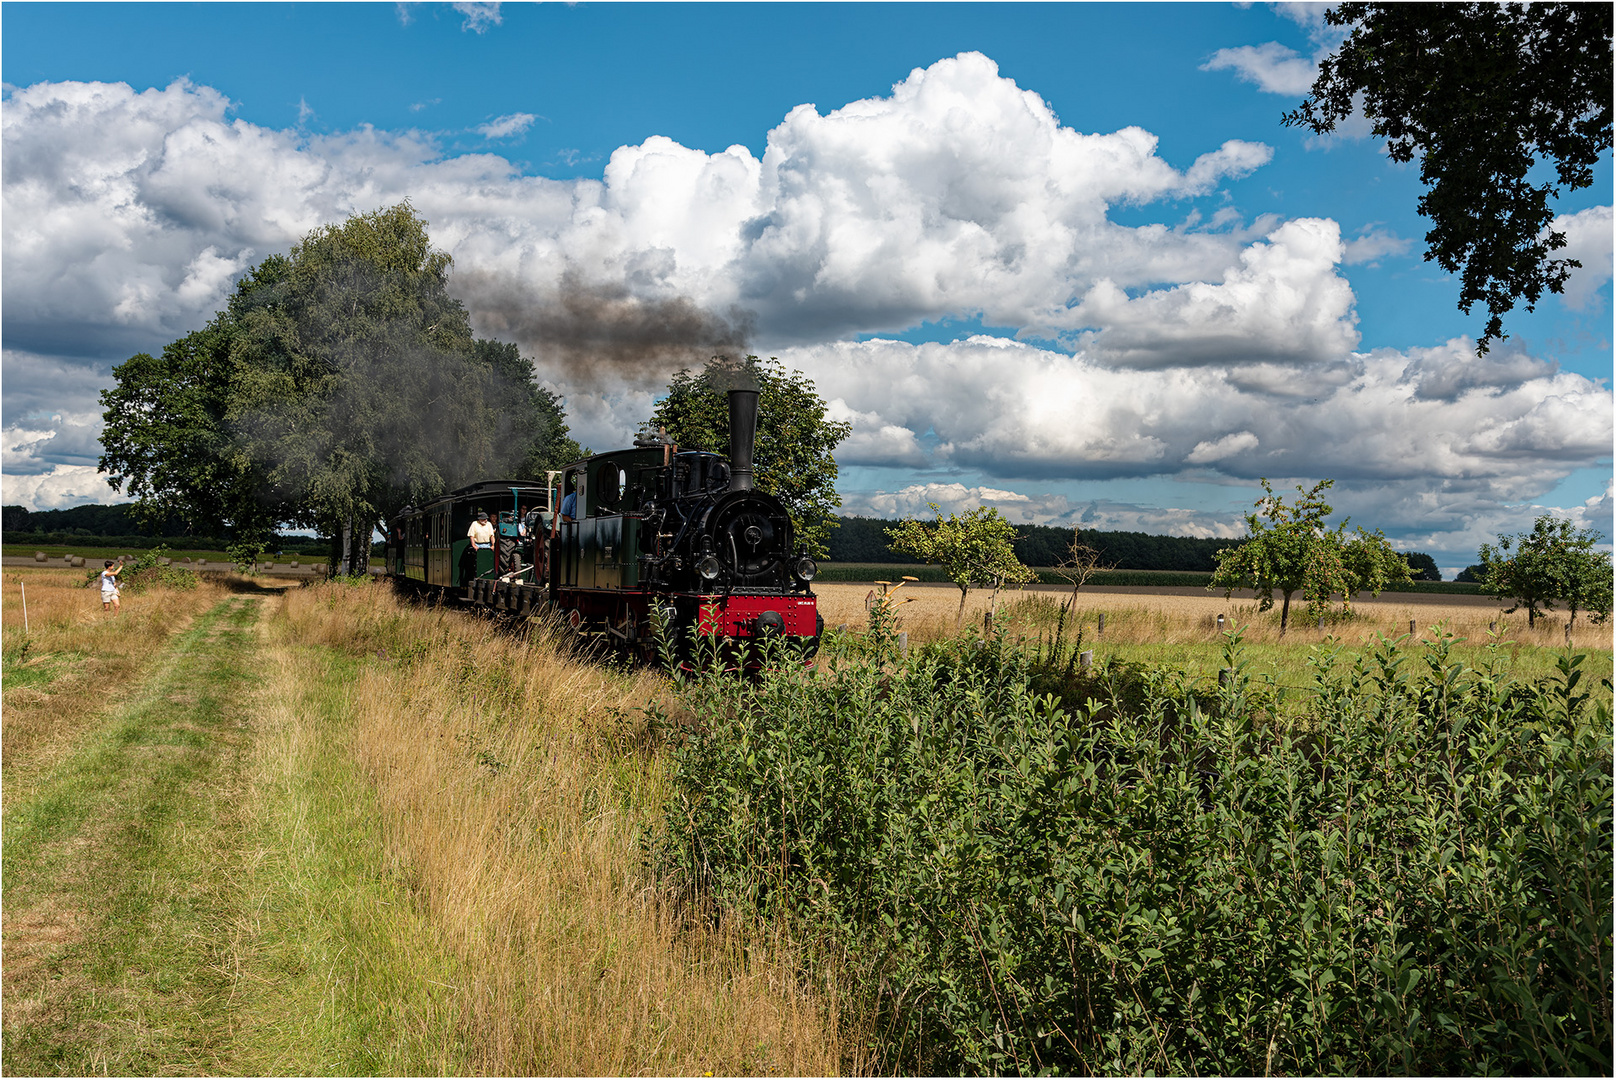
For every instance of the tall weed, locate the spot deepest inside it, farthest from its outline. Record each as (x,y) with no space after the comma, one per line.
(1161,877)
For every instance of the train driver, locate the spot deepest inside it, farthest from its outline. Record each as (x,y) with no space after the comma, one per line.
(481,533)
(569,504)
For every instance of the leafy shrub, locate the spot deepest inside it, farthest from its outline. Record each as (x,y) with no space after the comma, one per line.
(1160,879)
(147,572)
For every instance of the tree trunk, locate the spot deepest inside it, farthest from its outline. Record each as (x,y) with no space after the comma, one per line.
(359,560)
(1284,614)
(345,560)
(959,616)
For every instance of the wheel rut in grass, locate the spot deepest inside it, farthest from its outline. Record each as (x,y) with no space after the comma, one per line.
(120,873)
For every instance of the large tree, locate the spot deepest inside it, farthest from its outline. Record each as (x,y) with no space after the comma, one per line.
(793,458)
(1479,92)
(336,386)
(1290,549)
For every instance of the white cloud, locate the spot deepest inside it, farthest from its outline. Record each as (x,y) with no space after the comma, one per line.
(64,485)
(1373,421)
(506,126)
(1588,240)
(478,16)
(1207,451)
(1272,67)
(1222,351)
(1372,244)
(959,193)
(1284,301)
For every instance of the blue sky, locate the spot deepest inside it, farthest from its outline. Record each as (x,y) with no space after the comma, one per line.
(500,123)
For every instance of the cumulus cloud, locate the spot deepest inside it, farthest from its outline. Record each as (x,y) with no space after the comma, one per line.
(1209,450)
(1284,301)
(1588,240)
(126,213)
(66,485)
(506,126)
(1220,349)
(1386,423)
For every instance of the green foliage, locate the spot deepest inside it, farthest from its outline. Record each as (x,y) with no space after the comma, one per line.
(245,556)
(337,385)
(792,459)
(1554,562)
(972,548)
(1478,92)
(1422,567)
(149,571)
(1158,879)
(1290,550)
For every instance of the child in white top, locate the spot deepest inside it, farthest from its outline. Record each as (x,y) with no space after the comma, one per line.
(109,588)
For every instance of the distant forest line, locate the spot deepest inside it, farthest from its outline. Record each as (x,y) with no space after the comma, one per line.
(117,526)
(864,540)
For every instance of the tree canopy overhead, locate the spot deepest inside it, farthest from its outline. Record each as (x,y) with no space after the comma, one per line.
(792,459)
(337,385)
(1479,92)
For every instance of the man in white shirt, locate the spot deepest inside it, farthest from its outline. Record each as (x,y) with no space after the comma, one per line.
(481,533)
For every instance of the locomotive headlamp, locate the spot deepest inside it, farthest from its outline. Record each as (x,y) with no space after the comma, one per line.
(707,566)
(805,568)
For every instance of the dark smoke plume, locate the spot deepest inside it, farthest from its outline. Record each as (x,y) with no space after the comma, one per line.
(598,335)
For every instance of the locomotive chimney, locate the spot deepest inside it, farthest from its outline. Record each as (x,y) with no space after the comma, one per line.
(742,434)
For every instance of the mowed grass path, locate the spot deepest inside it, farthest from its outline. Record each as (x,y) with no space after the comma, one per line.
(187,891)
(119,874)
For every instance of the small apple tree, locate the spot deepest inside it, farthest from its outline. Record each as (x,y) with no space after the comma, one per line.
(1290,550)
(972,548)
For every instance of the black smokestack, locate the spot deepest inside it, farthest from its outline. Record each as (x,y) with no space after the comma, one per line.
(742,436)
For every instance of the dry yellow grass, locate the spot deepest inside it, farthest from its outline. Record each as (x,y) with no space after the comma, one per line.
(75,660)
(513,784)
(928,613)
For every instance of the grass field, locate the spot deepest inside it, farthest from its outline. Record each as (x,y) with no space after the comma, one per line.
(314,830)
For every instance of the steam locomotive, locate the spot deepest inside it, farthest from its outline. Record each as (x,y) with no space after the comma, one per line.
(625,545)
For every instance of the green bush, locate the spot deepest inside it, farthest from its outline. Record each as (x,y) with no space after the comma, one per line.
(149,570)
(1159,879)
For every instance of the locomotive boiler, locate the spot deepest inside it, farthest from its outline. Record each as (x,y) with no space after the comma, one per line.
(623,542)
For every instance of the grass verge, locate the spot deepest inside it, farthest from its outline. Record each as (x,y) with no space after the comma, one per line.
(512,787)
(118,876)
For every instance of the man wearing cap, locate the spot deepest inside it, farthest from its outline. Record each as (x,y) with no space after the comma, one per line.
(481,533)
